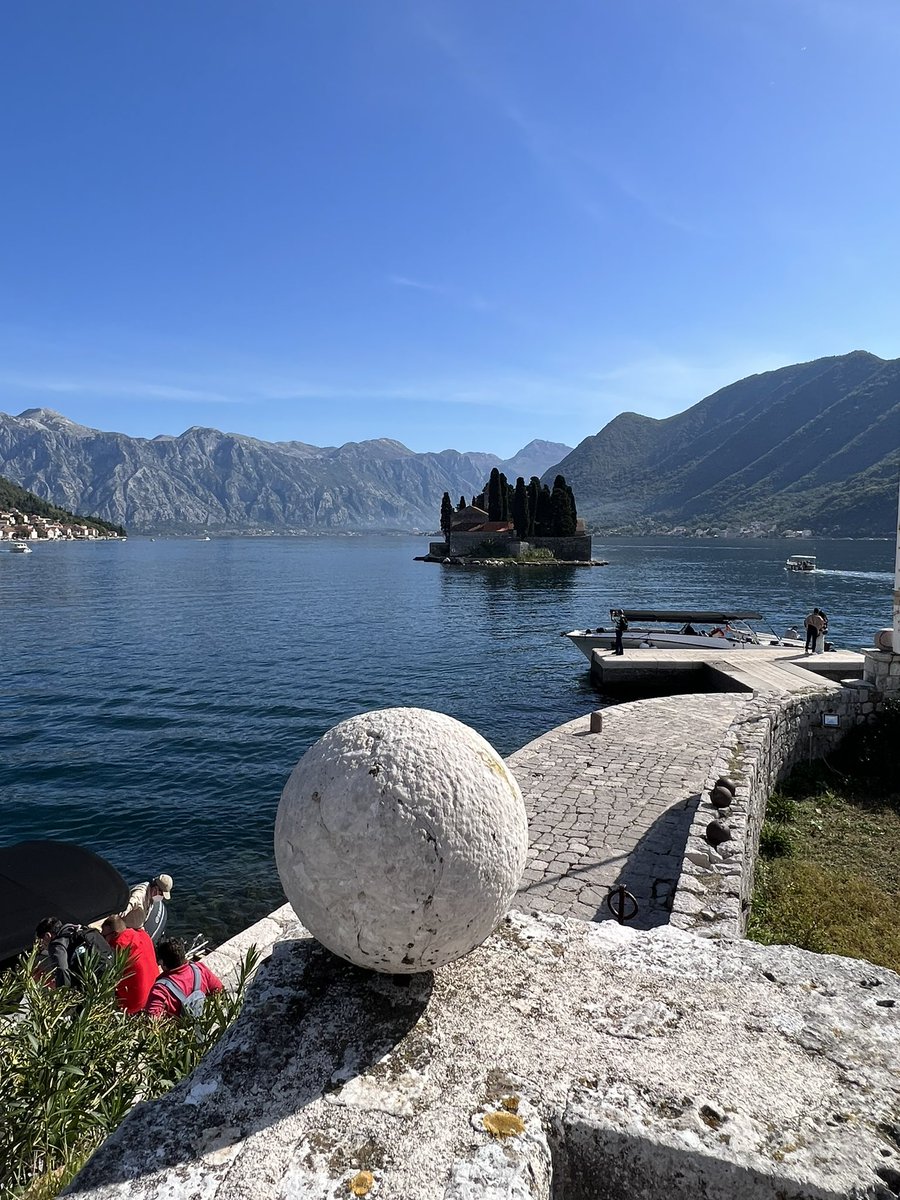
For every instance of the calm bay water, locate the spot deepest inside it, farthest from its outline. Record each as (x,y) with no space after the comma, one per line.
(156,695)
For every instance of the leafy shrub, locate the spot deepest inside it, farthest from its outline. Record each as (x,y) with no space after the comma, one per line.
(774,842)
(74,1064)
(780,809)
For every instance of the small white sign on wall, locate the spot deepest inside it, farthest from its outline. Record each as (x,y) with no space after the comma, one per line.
(831,720)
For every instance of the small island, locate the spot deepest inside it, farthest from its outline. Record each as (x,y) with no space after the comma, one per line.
(522,525)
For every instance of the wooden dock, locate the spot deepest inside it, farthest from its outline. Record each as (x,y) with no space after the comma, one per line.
(766,670)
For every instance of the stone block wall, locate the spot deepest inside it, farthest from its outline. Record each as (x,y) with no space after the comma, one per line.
(572,549)
(882,671)
(763,743)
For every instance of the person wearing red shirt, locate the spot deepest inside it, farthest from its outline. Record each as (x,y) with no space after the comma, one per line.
(141,969)
(162,1001)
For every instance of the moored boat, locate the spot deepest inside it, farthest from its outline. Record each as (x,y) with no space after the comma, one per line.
(681,629)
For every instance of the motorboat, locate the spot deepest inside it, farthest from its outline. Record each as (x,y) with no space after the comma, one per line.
(681,629)
(801,562)
(19,548)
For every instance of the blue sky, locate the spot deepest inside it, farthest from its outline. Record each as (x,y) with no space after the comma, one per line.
(460,224)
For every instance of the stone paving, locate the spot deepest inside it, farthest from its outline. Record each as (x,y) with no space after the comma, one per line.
(615,807)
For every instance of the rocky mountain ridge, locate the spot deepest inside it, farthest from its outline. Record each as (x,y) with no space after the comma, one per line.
(205,479)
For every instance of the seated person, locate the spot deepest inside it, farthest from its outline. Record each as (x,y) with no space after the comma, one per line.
(141,968)
(179,981)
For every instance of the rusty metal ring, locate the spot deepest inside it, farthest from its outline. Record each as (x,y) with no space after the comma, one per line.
(622,894)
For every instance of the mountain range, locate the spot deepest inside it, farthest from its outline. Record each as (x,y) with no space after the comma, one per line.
(814,445)
(204,479)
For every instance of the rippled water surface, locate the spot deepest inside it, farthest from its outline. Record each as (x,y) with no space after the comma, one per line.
(156,695)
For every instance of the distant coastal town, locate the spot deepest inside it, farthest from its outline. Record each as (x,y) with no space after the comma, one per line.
(16,526)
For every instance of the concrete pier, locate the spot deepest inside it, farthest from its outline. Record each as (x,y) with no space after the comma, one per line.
(767,670)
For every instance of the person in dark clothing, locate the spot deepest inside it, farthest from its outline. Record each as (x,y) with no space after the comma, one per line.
(814,626)
(69,947)
(620,625)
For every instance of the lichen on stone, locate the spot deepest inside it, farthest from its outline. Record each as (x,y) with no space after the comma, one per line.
(503,1124)
(361,1183)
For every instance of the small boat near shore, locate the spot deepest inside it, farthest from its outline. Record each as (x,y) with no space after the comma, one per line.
(804,564)
(19,548)
(681,629)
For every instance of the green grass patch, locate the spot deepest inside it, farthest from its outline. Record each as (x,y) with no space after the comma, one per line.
(828,876)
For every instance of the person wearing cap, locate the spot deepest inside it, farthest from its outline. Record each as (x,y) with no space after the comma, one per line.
(141,900)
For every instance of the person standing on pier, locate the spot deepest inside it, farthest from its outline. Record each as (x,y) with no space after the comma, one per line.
(621,625)
(814,626)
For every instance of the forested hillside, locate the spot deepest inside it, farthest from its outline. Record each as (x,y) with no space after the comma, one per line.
(812,445)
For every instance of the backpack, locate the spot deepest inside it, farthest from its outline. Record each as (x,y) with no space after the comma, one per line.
(85,943)
(192,1003)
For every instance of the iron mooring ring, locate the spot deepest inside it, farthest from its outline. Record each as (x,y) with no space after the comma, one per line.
(616,902)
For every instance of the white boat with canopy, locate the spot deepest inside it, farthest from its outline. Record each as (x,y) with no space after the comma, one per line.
(804,563)
(681,629)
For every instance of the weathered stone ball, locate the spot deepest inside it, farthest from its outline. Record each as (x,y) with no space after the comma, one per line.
(721,797)
(724,782)
(717,832)
(401,838)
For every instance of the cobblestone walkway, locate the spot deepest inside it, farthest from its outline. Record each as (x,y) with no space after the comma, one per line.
(615,807)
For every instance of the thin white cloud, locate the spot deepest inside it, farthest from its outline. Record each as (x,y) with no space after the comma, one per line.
(453,294)
(405,282)
(123,388)
(574,170)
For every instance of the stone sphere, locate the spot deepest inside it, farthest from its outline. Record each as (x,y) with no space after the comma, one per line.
(717,832)
(721,797)
(401,838)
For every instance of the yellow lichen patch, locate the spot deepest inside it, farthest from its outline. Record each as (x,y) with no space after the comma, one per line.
(510,1103)
(503,1124)
(362,1183)
(497,765)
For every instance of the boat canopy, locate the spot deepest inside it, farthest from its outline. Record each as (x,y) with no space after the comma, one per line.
(680,616)
(53,879)
(801,558)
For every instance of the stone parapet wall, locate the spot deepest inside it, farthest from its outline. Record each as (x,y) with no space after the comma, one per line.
(560,1059)
(763,743)
(882,671)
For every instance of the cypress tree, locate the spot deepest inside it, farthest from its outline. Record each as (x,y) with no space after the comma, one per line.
(534,495)
(562,509)
(462,504)
(544,522)
(505,495)
(494,502)
(446,513)
(520,511)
